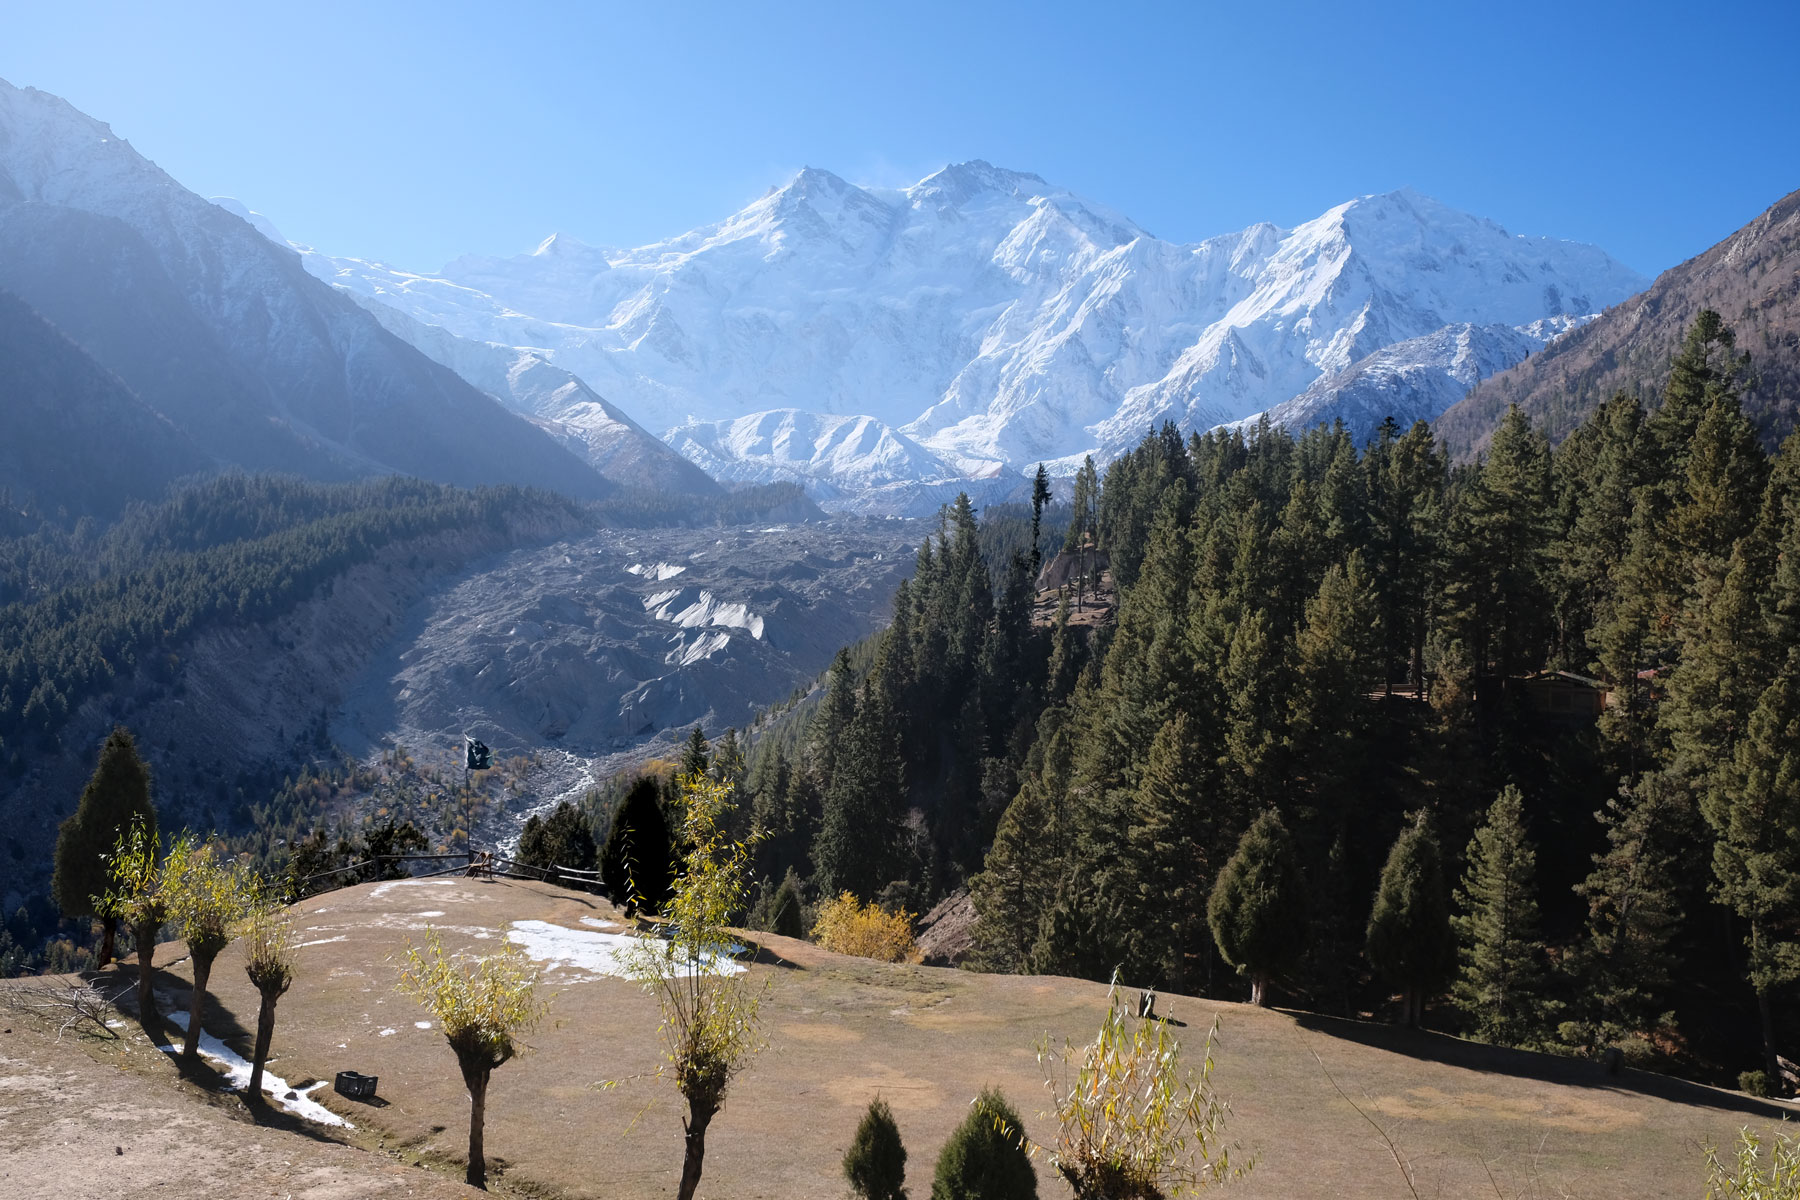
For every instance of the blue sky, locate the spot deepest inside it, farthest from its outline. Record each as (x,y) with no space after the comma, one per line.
(413,132)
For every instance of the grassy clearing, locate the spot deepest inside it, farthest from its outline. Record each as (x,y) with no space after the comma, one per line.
(1469,1120)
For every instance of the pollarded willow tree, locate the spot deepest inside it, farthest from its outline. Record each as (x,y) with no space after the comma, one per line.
(482,1008)
(710,1006)
(1134,1125)
(207,896)
(268,939)
(137,896)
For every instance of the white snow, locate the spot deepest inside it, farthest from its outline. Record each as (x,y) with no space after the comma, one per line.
(386,1033)
(237,1074)
(657,571)
(690,610)
(421,1024)
(384,888)
(581,951)
(858,338)
(342,937)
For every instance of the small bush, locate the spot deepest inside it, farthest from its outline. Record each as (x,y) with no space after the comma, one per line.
(1754,1082)
(985,1158)
(1751,1177)
(785,917)
(875,1164)
(849,927)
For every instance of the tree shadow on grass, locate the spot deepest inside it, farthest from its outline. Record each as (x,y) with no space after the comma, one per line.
(1527,1064)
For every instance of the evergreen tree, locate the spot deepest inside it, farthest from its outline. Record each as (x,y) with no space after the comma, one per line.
(1176,825)
(1258,907)
(1501,981)
(116,796)
(563,839)
(637,863)
(696,754)
(875,1164)
(1509,512)
(985,1158)
(859,832)
(786,917)
(1756,855)
(1040,498)
(1625,965)
(1410,943)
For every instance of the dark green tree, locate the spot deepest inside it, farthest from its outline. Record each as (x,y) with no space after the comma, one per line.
(1500,987)
(1258,909)
(116,795)
(985,1158)
(875,1164)
(637,863)
(1410,943)
(1625,966)
(696,754)
(563,839)
(786,916)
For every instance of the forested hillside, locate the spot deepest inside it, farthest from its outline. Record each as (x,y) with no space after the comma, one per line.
(1511,745)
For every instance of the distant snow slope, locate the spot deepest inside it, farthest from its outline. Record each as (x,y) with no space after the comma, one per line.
(992,318)
(1414,380)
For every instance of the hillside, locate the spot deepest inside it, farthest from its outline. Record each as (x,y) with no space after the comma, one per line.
(843,1030)
(225,334)
(1752,279)
(54,395)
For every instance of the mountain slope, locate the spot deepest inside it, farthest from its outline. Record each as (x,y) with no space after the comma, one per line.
(226,334)
(990,316)
(1752,279)
(1414,380)
(54,395)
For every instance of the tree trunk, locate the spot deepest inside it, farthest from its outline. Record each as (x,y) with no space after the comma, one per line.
(478,1084)
(146,950)
(1259,991)
(109,934)
(1770,1066)
(265,1031)
(695,1156)
(190,1048)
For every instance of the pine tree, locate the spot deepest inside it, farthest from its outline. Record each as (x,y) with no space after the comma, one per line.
(1501,981)
(1756,855)
(859,831)
(875,1164)
(116,795)
(1040,498)
(785,915)
(985,1158)
(637,863)
(1625,966)
(1176,824)
(1509,530)
(695,753)
(1410,943)
(563,839)
(1258,907)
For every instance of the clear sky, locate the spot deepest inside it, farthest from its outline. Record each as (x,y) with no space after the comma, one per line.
(413,132)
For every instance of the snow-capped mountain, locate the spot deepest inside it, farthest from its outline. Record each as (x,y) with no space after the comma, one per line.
(991,317)
(1414,380)
(223,334)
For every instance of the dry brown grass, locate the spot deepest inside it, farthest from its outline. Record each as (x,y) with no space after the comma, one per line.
(1471,1120)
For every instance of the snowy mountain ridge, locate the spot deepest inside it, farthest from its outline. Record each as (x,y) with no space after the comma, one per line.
(987,317)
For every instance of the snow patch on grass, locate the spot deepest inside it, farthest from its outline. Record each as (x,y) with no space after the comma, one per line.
(383,889)
(581,951)
(237,1074)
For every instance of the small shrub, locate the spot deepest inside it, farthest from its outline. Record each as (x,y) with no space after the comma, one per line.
(785,916)
(1754,1082)
(875,1164)
(985,1159)
(846,926)
(1777,1178)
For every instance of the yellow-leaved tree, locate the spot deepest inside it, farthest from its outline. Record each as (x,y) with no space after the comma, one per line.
(136,897)
(268,938)
(710,1005)
(207,894)
(1133,1124)
(482,1007)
